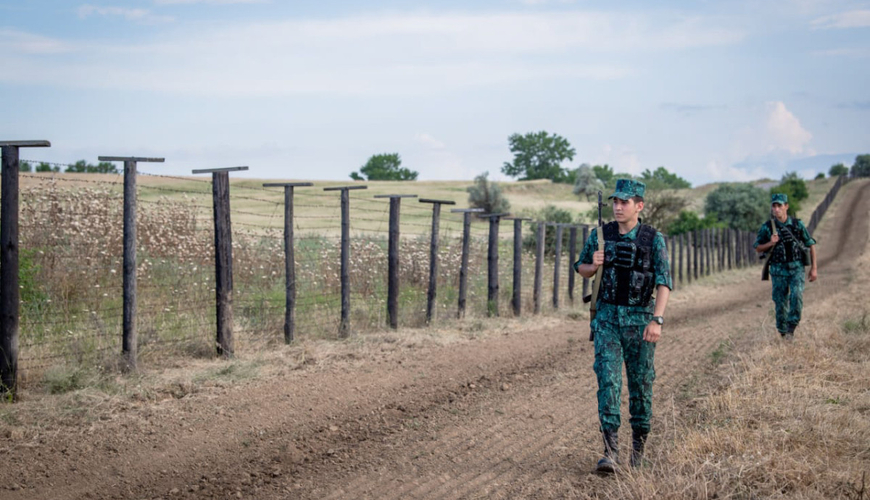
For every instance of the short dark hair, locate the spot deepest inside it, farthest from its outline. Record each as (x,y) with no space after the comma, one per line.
(637,199)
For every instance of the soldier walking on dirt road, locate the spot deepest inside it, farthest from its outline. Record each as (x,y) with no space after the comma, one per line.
(628,322)
(792,249)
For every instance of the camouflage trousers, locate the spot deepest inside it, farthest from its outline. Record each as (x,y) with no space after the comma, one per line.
(788,297)
(615,345)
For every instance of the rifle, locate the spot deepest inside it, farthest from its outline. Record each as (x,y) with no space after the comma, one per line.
(596,284)
(765,269)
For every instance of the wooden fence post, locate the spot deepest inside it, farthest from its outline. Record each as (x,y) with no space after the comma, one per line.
(680,269)
(708,242)
(572,257)
(433,256)
(344,325)
(10,305)
(289,259)
(539,266)
(557,265)
(585,281)
(393,257)
(671,240)
(223,257)
(492,261)
(129,336)
(695,253)
(517,296)
(463,266)
(728,241)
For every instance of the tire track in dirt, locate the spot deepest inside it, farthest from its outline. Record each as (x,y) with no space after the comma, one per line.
(431,423)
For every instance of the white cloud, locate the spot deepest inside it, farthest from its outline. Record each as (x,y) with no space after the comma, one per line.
(778,133)
(12,41)
(850,19)
(406,54)
(139,15)
(717,171)
(622,159)
(429,141)
(784,130)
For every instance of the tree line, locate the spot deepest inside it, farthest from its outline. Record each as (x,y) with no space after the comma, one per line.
(81,166)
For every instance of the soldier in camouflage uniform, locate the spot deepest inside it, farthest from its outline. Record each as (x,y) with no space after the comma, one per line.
(628,322)
(787,263)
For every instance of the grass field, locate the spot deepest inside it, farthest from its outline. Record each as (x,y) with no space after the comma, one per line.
(316,211)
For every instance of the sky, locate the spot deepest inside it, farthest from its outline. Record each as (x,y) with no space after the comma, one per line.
(731,90)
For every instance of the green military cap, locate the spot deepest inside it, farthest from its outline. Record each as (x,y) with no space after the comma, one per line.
(780,198)
(627,188)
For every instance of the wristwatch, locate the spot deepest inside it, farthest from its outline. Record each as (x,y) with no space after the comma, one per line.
(659,319)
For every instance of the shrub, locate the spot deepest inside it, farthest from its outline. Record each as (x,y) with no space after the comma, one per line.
(487,195)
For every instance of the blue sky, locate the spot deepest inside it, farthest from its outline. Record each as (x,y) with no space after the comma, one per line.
(730,90)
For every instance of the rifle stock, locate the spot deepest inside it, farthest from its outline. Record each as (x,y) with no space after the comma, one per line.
(765,269)
(596,284)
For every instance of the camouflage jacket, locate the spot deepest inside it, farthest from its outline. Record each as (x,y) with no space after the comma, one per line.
(764,235)
(629,315)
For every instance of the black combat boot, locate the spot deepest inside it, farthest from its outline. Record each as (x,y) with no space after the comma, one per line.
(607,465)
(638,440)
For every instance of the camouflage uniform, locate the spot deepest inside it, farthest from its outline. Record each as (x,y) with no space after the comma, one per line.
(619,338)
(787,275)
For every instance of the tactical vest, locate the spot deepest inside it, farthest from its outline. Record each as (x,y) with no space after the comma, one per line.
(628,278)
(789,249)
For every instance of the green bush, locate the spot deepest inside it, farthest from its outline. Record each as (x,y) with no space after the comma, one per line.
(487,195)
(738,206)
(689,221)
(550,213)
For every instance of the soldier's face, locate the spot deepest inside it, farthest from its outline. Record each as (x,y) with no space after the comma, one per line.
(780,211)
(626,210)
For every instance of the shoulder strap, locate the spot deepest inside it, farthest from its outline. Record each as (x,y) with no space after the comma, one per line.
(610,231)
(645,236)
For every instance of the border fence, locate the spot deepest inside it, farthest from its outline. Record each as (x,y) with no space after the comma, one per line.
(109,272)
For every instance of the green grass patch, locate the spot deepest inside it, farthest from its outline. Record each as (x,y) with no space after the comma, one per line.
(721,351)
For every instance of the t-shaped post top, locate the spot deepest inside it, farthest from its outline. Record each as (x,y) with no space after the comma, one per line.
(26,144)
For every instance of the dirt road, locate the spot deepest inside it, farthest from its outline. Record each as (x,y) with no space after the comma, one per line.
(507,414)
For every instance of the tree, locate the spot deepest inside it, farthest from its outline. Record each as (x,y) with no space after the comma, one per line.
(838,169)
(820,175)
(487,195)
(585,183)
(24,166)
(861,168)
(689,221)
(662,179)
(604,173)
(796,189)
(662,207)
(384,167)
(550,213)
(46,167)
(539,155)
(81,166)
(739,206)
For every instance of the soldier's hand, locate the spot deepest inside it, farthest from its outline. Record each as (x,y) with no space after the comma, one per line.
(652,332)
(774,239)
(814,275)
(598,258)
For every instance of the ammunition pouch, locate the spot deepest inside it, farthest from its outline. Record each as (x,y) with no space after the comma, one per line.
(628,278)
(790,248)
